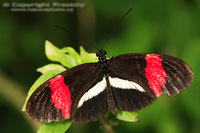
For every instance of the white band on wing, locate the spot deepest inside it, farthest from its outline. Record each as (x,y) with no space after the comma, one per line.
(94,91)
(125,84)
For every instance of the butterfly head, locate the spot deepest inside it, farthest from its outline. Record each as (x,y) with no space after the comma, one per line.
(101,54)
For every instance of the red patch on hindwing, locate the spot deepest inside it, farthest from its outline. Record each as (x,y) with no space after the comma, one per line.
(155,73)
(60,95)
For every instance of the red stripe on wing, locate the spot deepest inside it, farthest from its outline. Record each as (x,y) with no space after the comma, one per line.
(60,95)
(155,73)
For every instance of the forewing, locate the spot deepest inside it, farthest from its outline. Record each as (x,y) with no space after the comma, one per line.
(58,98)
(179,75)
(148,75)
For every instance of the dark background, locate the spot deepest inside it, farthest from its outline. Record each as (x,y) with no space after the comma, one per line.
(154,26)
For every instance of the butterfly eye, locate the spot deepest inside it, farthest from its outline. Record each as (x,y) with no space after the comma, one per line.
(97,54)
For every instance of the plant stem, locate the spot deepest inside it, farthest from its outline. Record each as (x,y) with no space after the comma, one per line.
(12,92)
(108,126)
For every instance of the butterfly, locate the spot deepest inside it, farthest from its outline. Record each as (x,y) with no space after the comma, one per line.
(129,82)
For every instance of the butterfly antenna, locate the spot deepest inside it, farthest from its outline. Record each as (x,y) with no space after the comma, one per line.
(76,36)
(116,26)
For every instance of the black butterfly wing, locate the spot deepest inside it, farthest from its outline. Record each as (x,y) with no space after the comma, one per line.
(143,77)
(59,98)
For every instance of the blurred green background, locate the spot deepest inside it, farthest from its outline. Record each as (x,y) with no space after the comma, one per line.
(157,26)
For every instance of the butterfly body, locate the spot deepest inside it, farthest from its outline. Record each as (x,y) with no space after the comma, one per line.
(130,82)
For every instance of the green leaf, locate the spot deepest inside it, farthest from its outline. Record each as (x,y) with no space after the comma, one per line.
(87,57)
(49,67)
(126,116)
(67,56)
(54,127)
(66,60)
(72,53)
(46,76)
(51,51)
